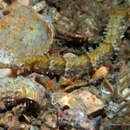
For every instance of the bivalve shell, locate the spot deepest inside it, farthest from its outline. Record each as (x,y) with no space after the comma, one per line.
(12,90)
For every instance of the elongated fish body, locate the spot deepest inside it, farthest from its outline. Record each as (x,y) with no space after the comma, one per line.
(76,66)
(116,27)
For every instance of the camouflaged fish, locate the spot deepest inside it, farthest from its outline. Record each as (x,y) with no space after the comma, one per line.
(23,52)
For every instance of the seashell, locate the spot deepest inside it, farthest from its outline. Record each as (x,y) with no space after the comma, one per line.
(28,32)
(13,90)
(81,99)
(102,71)
(69,55)
(5,72)
(39,6)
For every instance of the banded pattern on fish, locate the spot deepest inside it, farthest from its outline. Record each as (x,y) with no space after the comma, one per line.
(76,66)
(117,25)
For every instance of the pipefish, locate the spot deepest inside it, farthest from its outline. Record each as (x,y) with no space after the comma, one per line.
(76,66)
